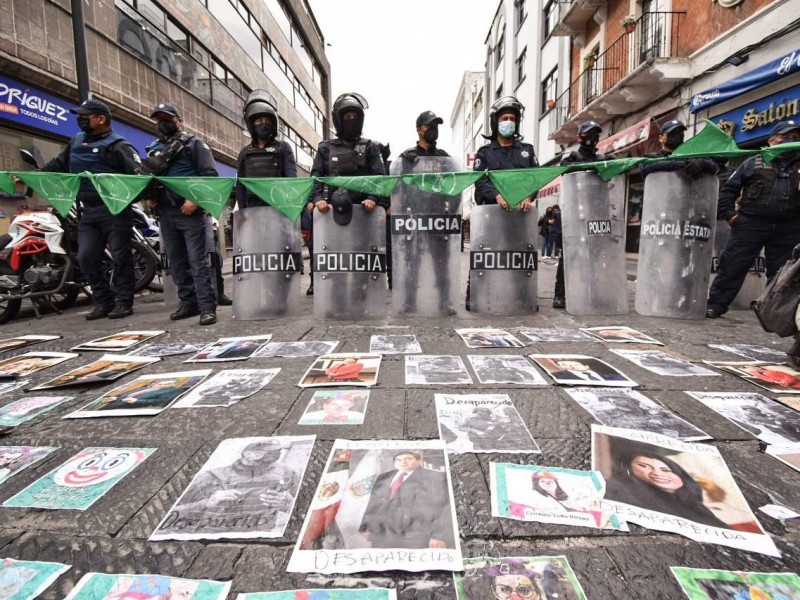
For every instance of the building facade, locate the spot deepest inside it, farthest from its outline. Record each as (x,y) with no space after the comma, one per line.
(204,56)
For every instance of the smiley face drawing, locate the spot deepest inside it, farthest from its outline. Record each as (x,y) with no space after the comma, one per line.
(97,465)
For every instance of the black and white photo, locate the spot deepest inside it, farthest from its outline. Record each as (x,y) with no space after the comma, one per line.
(505,368)
(394,344)
(661,363)
(428,369)
(227,387)
(295,349)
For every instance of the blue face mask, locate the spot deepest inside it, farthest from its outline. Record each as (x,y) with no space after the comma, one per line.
(507,128)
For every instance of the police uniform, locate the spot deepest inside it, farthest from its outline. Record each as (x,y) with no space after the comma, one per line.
(108,152)
(338,157)
(276,159)
(493,156)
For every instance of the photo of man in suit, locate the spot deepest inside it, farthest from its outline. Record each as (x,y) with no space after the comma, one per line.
(409,507)
(575,370)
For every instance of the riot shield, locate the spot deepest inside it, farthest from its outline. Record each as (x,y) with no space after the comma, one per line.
(676,243)
(426,240)
(350,265)
(503,261)
(593,231)
(267,262)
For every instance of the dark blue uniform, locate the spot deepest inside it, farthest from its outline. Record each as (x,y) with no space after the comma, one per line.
(495,157)
(273,160)
(362,157)
(705,165)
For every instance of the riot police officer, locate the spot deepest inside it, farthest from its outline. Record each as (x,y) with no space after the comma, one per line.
(588,137)
(98,149)
(184,225)
(768,217)
(670,138)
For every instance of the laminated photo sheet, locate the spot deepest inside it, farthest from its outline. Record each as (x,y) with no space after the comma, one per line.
(775,378)
(577,369)
(226,388)
(489,338)
(619,334)
(505,368)
(429,369)
(665,484)
(629,409)
(15,384)
(103,586)
(767,420)
(14,459)
(118,342)
(295,349)
(664,364)
(246,490)
(231,348)
(342,369)
(145,396)
(106,368)
(538,577)
(26,579)
(336,407)
(482,423)
(29,407)
(394,344)
(31,362)
(792,402)
(557,335)
(82,480)
(552,495)
(753,352)
(22,341)
(324,594)
(167,349)
(358,521)
(711,584)
(788,454)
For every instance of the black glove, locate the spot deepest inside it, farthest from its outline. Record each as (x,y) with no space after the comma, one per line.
(693,168)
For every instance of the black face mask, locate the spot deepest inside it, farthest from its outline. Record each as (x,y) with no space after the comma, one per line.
(590,141)
(431,135)
(84,123)
(167,128)
(674,139)
(263,132)
(351,130)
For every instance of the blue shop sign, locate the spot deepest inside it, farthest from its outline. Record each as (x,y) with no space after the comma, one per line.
(26,105)
(756,120)
(778,68)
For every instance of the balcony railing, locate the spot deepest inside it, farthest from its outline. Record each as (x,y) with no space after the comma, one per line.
(656,36)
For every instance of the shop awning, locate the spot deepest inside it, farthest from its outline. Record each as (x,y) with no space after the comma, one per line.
(626,139)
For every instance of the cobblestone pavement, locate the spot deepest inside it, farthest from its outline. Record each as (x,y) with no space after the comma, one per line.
(111,536)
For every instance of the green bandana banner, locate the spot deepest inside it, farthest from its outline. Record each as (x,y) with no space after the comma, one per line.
(118,191)
(517,184)
(287,195)
(450,184)
(608,169)
(58,189)
(211,193)
(374,185)
(774,152)
(712,141)
(7,184)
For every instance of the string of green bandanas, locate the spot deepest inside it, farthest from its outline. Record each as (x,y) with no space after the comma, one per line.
(290,195)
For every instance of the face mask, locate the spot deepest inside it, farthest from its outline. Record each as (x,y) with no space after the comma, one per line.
(264,132)
(674,139)
(790,140)
(84,124)
(351,130)
(507,128)
(431,135)
(167,128)
(590,142)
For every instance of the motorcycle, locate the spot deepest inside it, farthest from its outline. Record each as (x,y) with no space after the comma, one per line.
(147,233)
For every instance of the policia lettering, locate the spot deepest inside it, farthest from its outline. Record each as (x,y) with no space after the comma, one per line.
(265,262)
(687,230)
(601,227)
(448,224)
(350,262)
(502,260)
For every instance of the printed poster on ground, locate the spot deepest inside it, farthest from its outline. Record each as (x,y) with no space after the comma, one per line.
(394,344)
(14,459)
(295,349)
(119,342)
(525,578)
(664,364)
(577,369)
(26,579)
(713,584)
(102,586)
(343,369)
(489,338)
(336,407)
(231,348)
(505,368)
(427,369)
(227,387)
(31,362)
(22,341)
(28,408)
(106,368)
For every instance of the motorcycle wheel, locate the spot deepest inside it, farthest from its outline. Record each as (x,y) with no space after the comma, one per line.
(9,309)
(144,265)
(62,300)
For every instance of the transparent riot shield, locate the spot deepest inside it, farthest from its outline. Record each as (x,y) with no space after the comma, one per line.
(593,232)
(503,261)
(267,262)
(350,266)
(676,243)
(426,239)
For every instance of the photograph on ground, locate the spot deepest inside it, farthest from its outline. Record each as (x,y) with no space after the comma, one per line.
(555,335)
(505,368)
(342,369)
(231,348)
(167,349)
(489,338)
(394,344)
(295,349)
(336,407)
(518,578)
(31,362)
(428,369)
(661,363)
(324,594)
(620,335)
(788,454)
(22,341)
(123,340)
(713,584)
(28,408)
(226,388)
(576,369)
(106,368)
(14,459)
(753,352)
(102,586)
(775,378)
(26,579)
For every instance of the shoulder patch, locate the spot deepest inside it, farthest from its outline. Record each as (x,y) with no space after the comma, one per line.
(477,163)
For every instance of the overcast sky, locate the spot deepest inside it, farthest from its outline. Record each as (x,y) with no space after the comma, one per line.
(404,57)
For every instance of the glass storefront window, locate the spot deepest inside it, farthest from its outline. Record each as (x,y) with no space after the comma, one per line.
(11,142)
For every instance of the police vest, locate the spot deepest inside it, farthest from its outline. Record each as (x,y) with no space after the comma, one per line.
(347,160)
(181,164)
(91,156)
(771,182)
(262,162)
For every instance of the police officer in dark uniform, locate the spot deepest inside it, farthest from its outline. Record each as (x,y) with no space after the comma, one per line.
(588,137)
(184,225)
(98,149)
(768,217)
(670,138)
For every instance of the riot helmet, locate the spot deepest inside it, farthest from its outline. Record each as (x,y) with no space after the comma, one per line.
(588,126)
(261,103)
(350,102)
(504,105)
(589,133)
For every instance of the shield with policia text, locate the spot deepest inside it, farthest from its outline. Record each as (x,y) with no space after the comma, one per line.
(426,238)
(503,261)
(678,218)
(593,229)
(350,265)
(267,263)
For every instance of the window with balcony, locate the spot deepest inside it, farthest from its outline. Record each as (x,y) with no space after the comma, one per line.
(549,90)
(521,60)
(592,75)
(550,18)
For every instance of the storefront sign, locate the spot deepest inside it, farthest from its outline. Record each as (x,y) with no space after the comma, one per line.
(756,119)
(778,68)
(625,139)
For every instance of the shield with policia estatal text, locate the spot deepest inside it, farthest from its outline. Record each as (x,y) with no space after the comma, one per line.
(426,238)
(503,261)
(678,218)
(593,230)
(350,265)
(267,264)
